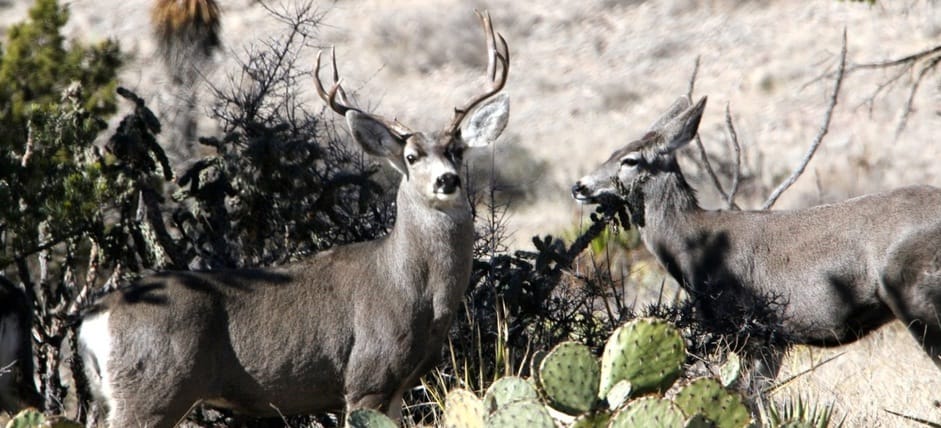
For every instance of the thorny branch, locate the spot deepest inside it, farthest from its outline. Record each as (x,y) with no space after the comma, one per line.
(824,127)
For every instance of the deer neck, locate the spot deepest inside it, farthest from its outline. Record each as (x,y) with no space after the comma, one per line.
(668,211)
(431,248)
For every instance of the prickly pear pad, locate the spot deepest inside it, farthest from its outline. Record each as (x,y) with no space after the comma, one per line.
(707,397)
(649,412)
(569,377)
(507,390)
(647,352)
(462,409)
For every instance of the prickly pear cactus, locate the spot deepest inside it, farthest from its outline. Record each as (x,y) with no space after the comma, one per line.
(706,396)
(569,377)
(649,412)
(29,418)
(592,420)
(507,390)
(731,371)
(698,421)
(32,418)
(462,409)
(534,364)
(522,414)
(369,418)
(619,394)
(647,352)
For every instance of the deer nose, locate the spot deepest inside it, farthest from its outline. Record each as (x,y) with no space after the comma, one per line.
(447,183)
(578,189)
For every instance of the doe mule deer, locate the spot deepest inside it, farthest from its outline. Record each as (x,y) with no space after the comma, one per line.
(838,271)
(351,327)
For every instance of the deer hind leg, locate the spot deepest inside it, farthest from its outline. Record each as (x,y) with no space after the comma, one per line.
(921,313)
(912,289)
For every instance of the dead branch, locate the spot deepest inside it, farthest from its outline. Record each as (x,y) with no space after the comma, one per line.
(824,127)
(733,138)
(907,110)
(907,64)
(704,158)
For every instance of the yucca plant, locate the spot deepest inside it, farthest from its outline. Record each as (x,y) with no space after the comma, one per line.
(799,411)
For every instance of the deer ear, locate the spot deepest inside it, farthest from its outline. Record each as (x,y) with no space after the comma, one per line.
(376,139)
(681,103)
(681,130)
(486,122)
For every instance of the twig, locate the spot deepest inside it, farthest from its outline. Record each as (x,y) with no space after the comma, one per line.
(820,134)
(900,61)
(692,79)
(905,65)
(791,378)
(903,120)
(913,418)
(733,137)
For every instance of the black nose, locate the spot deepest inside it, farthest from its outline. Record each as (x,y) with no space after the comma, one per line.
(578,189)
(447,183)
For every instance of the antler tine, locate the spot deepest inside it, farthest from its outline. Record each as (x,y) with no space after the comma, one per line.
(491,43)
(344,105)
(494,55)
(329,97)
(336,77)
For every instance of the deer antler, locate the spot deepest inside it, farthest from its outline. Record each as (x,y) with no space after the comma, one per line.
(343,105)
(494,54)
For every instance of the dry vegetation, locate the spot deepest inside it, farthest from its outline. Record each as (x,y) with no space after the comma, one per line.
(588,75)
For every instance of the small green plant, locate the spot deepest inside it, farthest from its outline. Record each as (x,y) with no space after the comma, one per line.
(798,412)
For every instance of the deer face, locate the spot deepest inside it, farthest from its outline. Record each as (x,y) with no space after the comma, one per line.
(614,177)
(630,166)
(433,167)
(432,164)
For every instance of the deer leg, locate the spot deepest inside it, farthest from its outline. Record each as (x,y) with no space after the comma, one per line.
(149,411)
(912,289)
(922,316)
(763,367)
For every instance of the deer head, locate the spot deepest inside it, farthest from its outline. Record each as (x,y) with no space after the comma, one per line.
(622,175)
(431,162)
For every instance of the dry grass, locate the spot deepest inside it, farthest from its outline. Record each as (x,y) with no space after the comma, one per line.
(588,76)
(885,371)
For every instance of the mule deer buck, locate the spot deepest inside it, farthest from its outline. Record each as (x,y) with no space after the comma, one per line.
(351,327)
(840,271)
(17,389)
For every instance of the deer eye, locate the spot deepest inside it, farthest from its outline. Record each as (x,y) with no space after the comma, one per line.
(630,161)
